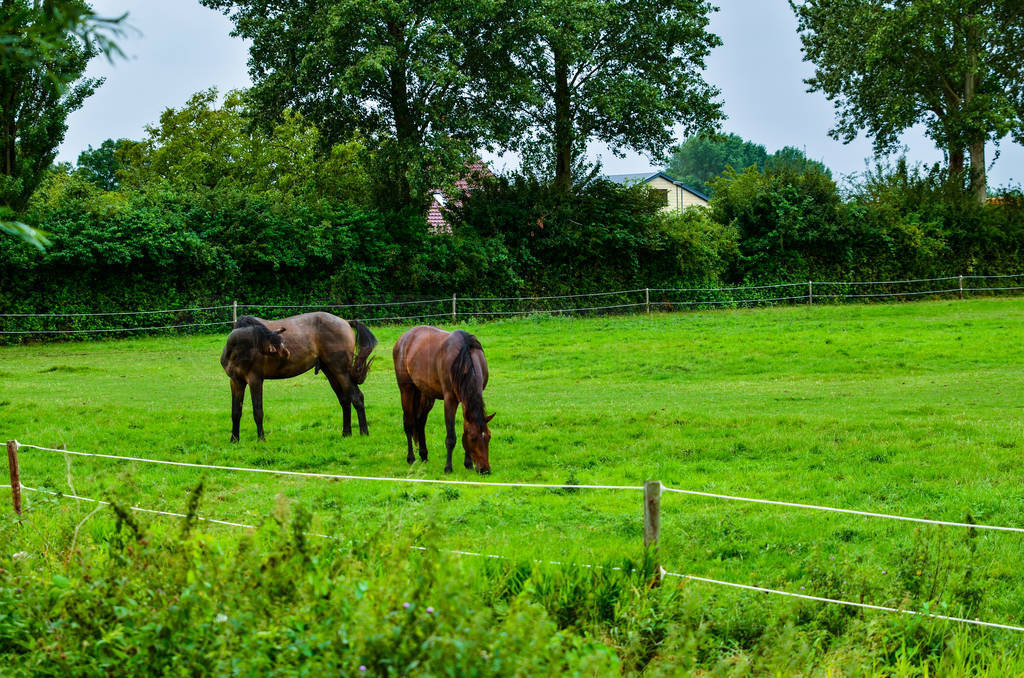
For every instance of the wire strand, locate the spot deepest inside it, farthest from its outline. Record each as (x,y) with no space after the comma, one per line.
(831,509)
(306,474)
(850,603)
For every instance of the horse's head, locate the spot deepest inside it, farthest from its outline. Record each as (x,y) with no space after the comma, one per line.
(476,441)
(246,344)
(266,340)
(271,343)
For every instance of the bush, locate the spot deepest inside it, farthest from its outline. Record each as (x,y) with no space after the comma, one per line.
(897,223)
(601,237)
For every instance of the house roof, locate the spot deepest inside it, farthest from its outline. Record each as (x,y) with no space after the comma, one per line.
(438,199)
(625,179)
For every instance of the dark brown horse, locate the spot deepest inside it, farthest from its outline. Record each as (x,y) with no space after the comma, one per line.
(278,349)
(432,364)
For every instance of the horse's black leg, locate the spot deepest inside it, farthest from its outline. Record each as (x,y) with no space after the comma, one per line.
(410,398)
(237,398)
(357,402)
(256,389)
(423,409)
(342,386)
(450,405)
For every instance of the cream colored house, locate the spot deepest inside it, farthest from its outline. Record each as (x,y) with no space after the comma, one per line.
(678,196)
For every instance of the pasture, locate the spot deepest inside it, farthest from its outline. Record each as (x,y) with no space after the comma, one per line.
(912,409)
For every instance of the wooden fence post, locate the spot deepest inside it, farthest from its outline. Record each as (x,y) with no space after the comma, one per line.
(652,521)
(234,312)
(647,298)
(453,307)
(12,464)
(961,286)
(810,292)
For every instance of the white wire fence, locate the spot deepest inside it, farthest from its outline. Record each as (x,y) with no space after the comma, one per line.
(16,326)
(17,487)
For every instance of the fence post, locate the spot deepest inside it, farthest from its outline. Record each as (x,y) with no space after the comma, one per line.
(234,312)
(810,292)
(12,464)
(647,298)
(453,307)
(652,521)
(961,286)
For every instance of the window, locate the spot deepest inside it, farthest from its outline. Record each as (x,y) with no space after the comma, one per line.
(664,194)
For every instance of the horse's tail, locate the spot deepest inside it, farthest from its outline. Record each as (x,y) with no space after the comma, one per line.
(365,343)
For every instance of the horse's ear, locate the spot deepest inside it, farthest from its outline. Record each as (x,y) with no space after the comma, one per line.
(488,418)
(281,331)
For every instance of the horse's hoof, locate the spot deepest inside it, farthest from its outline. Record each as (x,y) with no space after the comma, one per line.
(468,464)
(262,439)
(234,439)
(411,460)
(447,469)
(346,434)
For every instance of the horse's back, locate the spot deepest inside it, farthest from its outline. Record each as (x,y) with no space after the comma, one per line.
(309,337)
(415,357)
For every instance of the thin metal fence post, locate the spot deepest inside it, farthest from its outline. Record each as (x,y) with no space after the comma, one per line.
(12,465)
(652,521)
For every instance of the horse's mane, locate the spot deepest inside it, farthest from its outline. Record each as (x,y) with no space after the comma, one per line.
(263,334)
(468,384)
(247,321)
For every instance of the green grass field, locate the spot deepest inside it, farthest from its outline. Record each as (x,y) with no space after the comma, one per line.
(911,409)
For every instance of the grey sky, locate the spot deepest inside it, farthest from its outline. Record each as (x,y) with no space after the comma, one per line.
(184,48)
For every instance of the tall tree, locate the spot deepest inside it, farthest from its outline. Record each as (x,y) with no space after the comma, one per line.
(700,159)
(957,66)
(44,48)
(400,73)
(100,166)
(619,71)
(211,151)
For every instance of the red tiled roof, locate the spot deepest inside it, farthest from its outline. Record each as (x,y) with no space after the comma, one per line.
(438,198)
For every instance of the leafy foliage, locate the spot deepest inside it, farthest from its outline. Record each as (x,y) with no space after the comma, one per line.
(37,93)
(601,238)
(100,166)
(701,159)
(899,222)
(404,76)
(620,72)
(215,152)
(953,65)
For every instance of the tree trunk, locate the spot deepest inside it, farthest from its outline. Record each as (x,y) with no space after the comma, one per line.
(977,144)
(956,162)
(405,125)
(563,124)
(979,185)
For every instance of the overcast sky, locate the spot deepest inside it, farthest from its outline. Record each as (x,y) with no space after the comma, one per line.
(182,48)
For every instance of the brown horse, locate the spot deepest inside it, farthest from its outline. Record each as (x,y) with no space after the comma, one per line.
(431,364)
(278,349)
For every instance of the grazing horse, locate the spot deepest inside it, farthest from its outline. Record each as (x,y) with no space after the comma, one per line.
(431,364)
(278,349)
